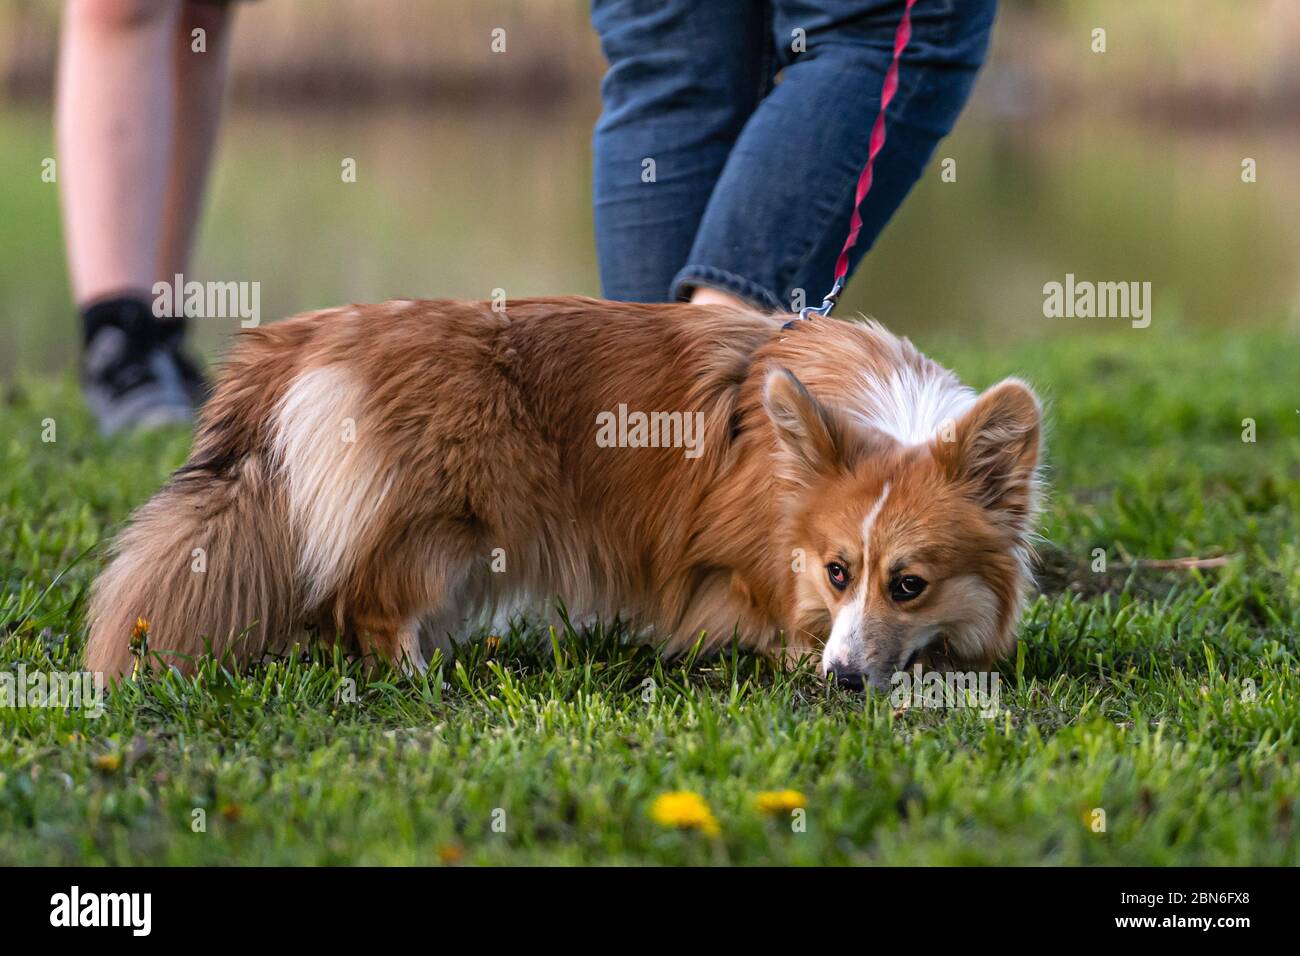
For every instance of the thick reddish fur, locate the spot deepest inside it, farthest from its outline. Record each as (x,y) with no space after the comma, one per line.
(480,427)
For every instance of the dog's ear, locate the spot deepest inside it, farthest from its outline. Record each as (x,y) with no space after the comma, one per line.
(994,450)
(814,438)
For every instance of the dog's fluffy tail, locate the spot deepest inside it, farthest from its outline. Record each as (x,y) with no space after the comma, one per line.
(207,562)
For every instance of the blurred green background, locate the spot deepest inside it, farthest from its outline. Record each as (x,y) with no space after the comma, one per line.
(474,168)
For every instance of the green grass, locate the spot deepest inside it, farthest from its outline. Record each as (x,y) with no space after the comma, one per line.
(1169,700)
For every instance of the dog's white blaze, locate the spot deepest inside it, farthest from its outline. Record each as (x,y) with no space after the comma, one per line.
(334,485)
(844,642)
(868,522)
(913,405)
(847,625)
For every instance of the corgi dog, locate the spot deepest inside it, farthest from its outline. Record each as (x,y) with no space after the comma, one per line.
(387,475)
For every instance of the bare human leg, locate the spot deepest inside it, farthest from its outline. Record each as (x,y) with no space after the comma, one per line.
(199,74)
(704,295)
(114,128)
(138,106)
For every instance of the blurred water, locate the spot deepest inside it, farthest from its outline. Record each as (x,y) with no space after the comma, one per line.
(453,203)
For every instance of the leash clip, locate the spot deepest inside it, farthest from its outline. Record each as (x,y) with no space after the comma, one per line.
(808,311)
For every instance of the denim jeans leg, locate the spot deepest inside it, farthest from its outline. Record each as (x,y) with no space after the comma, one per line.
(780,211)
(683,78)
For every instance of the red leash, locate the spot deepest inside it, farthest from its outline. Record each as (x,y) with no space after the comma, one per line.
(887,91)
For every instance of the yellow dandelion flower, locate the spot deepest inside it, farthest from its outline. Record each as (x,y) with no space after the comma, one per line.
(450,853)
(108,762)
(780,801)
(138,645)
(139,642)
(685,811)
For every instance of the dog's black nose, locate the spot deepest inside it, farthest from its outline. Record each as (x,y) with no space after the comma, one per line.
(851,681)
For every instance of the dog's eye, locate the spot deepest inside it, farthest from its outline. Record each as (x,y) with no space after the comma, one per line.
(906,587)
(838,574)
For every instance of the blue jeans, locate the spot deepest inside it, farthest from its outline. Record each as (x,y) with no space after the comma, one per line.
(709,173)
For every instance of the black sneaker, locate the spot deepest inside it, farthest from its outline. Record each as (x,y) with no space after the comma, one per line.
(133,379)
(196,382)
